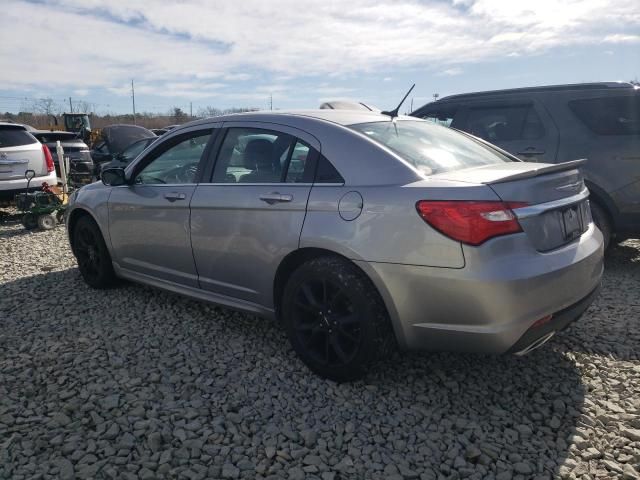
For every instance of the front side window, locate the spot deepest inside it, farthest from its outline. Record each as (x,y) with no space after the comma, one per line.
(431,149)
(254,155)
(176,165)
(609,115)
(504,124)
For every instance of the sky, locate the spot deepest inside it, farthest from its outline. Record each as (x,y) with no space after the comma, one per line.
(299,53)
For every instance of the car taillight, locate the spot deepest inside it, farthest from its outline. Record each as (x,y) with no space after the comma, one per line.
(470,222)
(48,158)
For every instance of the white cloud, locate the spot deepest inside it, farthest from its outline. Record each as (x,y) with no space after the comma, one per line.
(198,48)
(620,38)
(451,72)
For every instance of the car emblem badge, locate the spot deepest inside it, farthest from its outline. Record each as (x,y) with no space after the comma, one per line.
(570,186)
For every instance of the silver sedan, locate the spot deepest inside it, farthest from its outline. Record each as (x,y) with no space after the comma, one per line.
(362,233)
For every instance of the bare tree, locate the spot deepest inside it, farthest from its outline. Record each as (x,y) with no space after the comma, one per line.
(178,115)
(209,112)
(46,106)
(82,106)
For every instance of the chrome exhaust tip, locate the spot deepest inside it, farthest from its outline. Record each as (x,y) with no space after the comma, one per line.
(536,344)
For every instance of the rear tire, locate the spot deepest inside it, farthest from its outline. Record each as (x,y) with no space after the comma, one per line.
(601,219)
(335,319)
(94,260)
(29,221)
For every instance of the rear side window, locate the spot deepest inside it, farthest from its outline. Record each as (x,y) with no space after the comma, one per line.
(15,137)
(503,124)
(255,155)
(609,115)
(326,172)
(443,117)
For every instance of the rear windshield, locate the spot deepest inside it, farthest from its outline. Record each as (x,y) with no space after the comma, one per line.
(15,137)
(431,148)
(52,137)
(609,115)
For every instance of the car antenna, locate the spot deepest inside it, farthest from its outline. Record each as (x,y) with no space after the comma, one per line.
(394,113)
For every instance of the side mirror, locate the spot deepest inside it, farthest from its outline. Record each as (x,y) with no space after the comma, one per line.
(113,177)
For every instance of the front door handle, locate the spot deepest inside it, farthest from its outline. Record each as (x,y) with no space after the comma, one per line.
(531,151)
(275,197)
(173,196)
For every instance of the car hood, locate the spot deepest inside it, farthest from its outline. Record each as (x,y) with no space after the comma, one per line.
(119,137)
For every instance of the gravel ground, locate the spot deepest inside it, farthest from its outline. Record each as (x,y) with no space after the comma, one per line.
(138,383)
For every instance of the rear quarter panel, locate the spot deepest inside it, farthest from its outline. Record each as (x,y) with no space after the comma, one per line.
(389,228)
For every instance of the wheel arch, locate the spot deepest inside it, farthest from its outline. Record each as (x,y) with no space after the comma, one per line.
(296,258)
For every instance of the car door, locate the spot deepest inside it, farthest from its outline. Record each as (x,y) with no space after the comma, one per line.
(521,127)
(149,218)
(250,215)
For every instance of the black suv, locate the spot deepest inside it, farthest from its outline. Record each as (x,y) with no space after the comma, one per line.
(596,121)
(80,162)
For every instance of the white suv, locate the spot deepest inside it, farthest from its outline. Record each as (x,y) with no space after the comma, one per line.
(19,152)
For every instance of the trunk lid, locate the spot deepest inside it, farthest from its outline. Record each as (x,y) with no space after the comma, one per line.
(15,161)
(557,210)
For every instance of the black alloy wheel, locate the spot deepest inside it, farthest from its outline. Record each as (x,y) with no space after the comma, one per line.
(94,261)
(326,323)
(335,318)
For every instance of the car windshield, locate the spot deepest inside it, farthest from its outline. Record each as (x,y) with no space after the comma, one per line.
(431,149)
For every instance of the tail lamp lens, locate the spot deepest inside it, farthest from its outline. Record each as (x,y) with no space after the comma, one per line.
(471,222)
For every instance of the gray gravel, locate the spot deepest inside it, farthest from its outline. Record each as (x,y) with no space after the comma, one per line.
(138,383)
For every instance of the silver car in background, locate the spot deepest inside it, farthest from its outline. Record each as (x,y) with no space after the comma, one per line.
(20,151)
(361,232)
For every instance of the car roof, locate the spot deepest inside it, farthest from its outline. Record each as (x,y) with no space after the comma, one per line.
(340,117)
(541,89)
(13,125)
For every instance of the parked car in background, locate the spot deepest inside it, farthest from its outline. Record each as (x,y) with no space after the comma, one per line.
(347,105)
(596,121)
(21,151)
(113,140)
(358,231)
(125,157)
(80,162)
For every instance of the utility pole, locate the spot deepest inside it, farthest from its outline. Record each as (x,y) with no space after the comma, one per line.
(411,107)
(435,97)
(271,101)
(191,109)
(133,99)
(70,106)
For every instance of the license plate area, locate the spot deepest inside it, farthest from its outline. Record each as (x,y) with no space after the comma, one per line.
(573,221)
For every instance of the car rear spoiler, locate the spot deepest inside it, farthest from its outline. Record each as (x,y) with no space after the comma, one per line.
(543,170)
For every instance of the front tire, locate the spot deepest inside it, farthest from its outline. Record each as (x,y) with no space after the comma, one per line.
(335,319)
(94,261)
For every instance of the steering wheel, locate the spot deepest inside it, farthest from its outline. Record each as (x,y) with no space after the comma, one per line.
(182,174)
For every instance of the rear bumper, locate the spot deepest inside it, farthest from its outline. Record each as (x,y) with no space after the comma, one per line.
(488,306)
(8,188)
(557,323)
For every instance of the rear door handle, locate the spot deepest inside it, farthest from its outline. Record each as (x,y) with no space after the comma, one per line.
(531,151)
(173,196)
(275,197)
